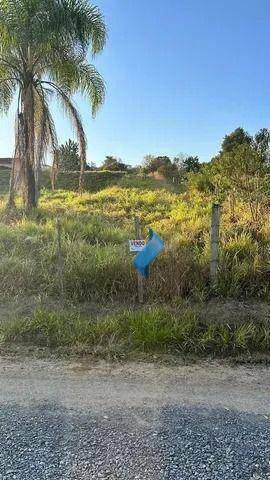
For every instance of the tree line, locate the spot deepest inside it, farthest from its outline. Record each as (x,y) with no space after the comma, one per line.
(240,171)
(68,159)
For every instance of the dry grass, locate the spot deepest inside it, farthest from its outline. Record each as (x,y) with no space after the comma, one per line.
(97,263)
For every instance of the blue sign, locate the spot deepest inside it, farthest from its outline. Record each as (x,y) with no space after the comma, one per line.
(150,252)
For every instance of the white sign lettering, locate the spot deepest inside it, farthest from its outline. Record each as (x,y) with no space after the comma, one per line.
(136,245)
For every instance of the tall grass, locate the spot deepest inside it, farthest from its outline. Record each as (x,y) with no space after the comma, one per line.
(97,264)
(142,331)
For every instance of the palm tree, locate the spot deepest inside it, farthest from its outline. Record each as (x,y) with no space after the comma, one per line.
(43,55)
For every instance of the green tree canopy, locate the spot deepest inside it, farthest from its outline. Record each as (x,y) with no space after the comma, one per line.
(243,171)
(68,157)
(153,164)
(113,164)
(238,137)
(262,142)
(191,164)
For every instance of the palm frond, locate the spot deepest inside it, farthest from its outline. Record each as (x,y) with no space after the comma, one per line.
(75,118)
(46,136)
(75,75)
(79,22)
(7,91)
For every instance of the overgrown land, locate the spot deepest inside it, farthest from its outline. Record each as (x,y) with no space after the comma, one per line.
(98,310)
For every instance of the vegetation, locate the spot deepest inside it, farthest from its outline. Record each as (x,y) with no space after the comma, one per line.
(153,330)
(238,137)
(93,180)
(97,266)
(114,165)
(44,47)
(161,165)
(68,158)
(171,169)
(96,226)
(43,54)
(191,164)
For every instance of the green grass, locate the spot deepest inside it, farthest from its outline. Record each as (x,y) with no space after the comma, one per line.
(97,268)
(4,180)
(154,330)
(97,264)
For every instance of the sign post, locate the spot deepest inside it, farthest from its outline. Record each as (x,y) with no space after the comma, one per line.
(60,257)
(215,227)
(138,233)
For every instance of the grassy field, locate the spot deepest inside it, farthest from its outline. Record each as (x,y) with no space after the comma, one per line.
(98,266)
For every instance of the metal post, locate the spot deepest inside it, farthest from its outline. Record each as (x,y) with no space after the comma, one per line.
(138,232)
(215,227)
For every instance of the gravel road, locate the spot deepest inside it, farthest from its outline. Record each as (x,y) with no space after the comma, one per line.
(64,420)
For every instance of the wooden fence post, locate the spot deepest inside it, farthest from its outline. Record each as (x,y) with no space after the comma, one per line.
(215,227)
(60,257)
(138,233)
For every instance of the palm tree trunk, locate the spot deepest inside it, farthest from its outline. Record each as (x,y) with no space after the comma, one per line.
(11,193)
(55,168)
(82,175)
(12,180)
(29,178)
(30,199)
(37,182)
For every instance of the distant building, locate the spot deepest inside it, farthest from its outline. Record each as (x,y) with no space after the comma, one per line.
(6,162)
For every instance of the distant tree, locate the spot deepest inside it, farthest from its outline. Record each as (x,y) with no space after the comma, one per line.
(147,162)
(262,142)
(167,170)
(91,167)
(191,164)
(164,166)
(153,164)
(243,171)
(68,157)
(114,164)
(136,170)
(238,137)
(179,160)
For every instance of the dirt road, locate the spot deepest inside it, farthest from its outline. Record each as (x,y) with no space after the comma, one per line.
(73,420)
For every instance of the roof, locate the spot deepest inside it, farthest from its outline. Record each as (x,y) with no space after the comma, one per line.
(6,162)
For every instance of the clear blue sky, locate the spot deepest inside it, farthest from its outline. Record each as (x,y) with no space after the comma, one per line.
(180,74)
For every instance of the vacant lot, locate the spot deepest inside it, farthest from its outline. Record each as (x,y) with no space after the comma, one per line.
(97,264)
(85,293)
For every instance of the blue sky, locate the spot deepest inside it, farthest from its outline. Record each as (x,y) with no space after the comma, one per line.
(180,74)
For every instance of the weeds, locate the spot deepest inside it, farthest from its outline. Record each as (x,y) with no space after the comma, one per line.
(96,226)
(154,330)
